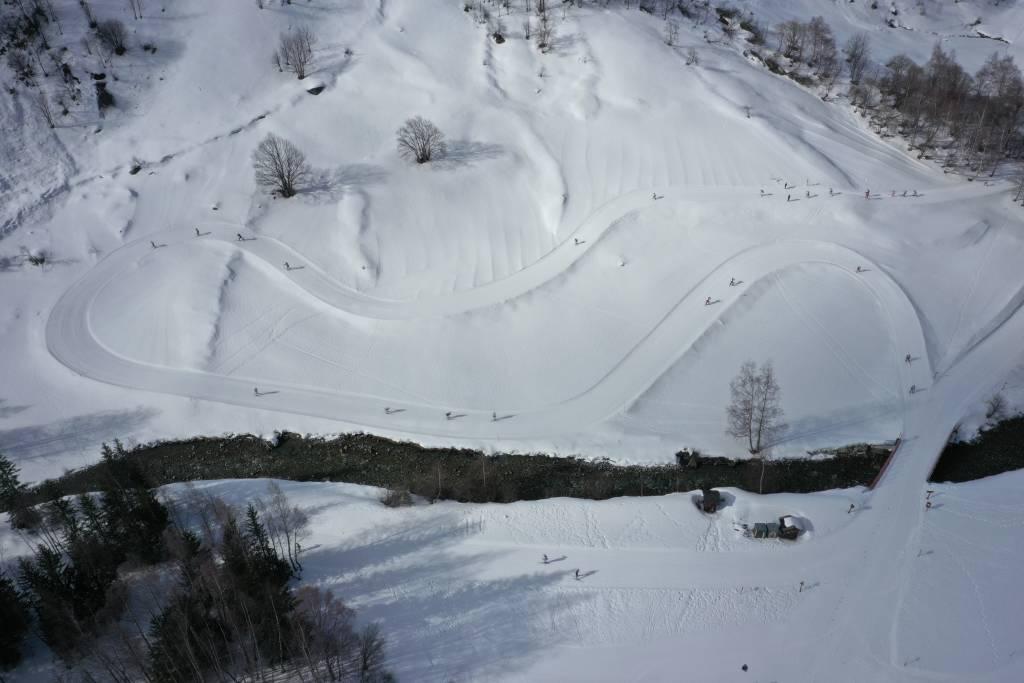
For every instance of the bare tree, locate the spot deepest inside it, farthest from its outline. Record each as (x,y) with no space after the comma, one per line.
(112,35)
(287,525)
(295,51)
(671,33)
(545,32)
(755,413)
(371,653)
(792,39)
(41,103)
(421,140)
(280,165)
(857,51)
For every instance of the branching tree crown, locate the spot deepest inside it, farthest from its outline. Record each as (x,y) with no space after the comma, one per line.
(113,36)
(420,140)
(755,412)
(295,51)
(280,166)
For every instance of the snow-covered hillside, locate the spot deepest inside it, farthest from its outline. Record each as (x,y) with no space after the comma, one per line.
(668,593)
(530,272)
(613,231)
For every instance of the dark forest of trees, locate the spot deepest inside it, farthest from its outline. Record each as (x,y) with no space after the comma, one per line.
(124,587)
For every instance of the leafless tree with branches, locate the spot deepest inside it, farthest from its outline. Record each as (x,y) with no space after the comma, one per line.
(857,51)
(113,36)
(420,140)
(280,166)
(755,412)
(295,51)
(41,103)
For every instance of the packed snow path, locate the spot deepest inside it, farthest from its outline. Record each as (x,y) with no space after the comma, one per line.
(71,340)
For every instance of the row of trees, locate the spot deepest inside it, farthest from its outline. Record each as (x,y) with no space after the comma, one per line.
(95,588)
(976,119)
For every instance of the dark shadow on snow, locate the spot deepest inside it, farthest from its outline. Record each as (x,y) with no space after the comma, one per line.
(466,153)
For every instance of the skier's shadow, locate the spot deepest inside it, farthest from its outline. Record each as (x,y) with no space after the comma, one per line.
(809,586)
(291,268)
(499,418)
(203,234)
(454,416)
(552,560)
(267,393)
(584,575)
(392,411)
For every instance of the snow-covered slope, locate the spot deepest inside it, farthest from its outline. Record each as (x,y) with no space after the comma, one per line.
(551,268)
(462,592)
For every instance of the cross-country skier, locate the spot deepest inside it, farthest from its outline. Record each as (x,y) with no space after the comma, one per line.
(788,197)
(707,302)
(494,418)
(577,574)
(286,266)
(545,559)
(240,238)
(197,232)
(448,415)
(913,388)
(153,244)
(907,359)
(256,391)
(867,194)
(732,282)
(851,509)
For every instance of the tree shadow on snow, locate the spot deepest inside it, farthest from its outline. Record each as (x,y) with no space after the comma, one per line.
(83,433)
(442,621)
(466,153)
(330,184)
(7,410)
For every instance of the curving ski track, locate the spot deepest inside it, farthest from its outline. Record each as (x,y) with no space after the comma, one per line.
(70,339)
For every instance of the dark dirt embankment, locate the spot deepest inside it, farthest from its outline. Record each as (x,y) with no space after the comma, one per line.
(994,451)
(466,475)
